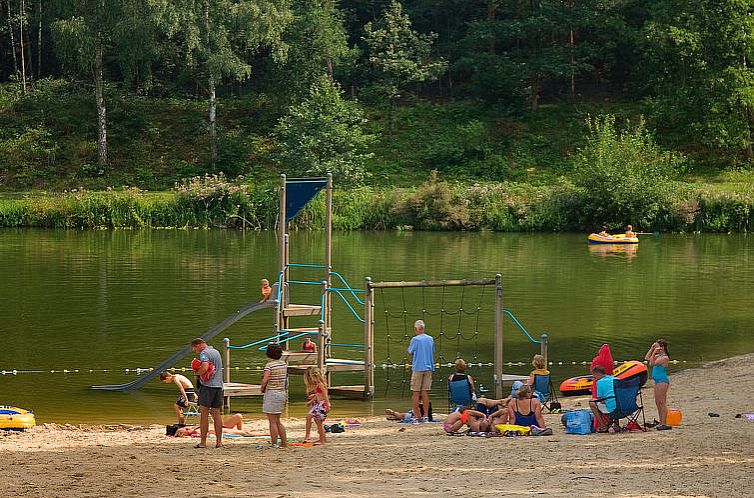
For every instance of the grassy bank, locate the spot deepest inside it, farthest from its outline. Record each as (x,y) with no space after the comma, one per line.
(213,202)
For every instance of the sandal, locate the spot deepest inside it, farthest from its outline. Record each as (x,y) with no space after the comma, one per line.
(199,446)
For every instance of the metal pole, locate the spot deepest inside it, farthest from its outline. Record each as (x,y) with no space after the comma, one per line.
(543,346)
(281,253)
(368,338)
(321,356)
(498,375)
(328,254)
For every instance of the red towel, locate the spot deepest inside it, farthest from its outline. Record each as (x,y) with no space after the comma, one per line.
(603,359)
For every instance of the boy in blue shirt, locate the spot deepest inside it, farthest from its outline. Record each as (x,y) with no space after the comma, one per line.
(605,402)
(422,350)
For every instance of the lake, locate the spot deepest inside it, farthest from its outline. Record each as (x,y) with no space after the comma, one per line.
(91,307)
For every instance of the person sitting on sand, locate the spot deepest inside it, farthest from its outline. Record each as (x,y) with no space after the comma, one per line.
(604,402)
(526,410)
(232,424)
(187,392)
(495,412)
(604,232)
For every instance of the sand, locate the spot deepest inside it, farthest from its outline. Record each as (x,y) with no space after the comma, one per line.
(704,456)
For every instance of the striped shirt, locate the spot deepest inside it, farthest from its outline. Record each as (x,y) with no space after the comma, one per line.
(278,380)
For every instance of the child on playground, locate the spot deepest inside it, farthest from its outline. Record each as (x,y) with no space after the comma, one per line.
(266,290)
(187,392)
(274,389)
(319,400)
(308,346)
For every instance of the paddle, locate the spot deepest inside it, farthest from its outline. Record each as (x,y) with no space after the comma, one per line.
(656,234)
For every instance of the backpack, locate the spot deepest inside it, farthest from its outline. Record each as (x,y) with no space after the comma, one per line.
(578,422)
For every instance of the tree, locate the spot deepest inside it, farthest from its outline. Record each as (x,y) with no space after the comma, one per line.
(700,53)
(318,45)
(88,31)
(217,35)
(398,55)
(324,134)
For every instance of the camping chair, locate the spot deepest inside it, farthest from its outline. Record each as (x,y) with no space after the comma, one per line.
(191,411)
(543,386)
(627,391)
(459,393)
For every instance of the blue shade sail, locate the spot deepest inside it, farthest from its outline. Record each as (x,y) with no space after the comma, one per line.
(299,193)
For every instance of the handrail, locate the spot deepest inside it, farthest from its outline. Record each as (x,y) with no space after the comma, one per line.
(347,345)
(302,334)
(358,317)
(348,286)
(515,320)
(304,282)
(305,265)
(266,339)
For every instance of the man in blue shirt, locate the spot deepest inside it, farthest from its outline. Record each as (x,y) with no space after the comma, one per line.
(605,402)
(422,350)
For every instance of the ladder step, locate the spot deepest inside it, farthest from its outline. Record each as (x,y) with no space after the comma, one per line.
(301,310)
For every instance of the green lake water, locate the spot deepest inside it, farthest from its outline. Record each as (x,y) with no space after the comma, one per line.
(101,302)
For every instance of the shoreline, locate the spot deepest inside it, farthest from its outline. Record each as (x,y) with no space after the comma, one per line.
(704,456)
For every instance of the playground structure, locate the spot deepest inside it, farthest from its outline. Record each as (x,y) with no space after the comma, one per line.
(294,195)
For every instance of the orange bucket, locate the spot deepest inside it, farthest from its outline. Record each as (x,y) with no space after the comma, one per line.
(674,417)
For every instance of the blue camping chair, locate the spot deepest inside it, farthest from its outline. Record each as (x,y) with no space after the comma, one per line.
(459,393)
(628,403)
(546,393)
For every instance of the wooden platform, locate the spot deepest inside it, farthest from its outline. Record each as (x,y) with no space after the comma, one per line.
(351,392)
(234,389)
(303,358)
(301,310)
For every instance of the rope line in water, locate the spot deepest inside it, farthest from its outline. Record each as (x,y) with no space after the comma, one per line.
(385,365)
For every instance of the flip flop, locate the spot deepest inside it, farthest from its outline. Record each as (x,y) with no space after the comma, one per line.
(199,446)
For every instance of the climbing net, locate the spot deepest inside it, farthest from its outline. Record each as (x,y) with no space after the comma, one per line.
(460,317)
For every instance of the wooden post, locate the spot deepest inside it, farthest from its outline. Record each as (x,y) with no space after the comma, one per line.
(498,374)
(368,340)
(226,373)
(281,254)
(543,346)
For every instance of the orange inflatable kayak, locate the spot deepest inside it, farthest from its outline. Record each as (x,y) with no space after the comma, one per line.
(582,384)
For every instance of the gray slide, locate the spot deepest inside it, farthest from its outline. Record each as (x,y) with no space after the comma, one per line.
(250,308)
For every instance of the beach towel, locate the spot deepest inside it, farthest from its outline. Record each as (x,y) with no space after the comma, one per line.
(521,430)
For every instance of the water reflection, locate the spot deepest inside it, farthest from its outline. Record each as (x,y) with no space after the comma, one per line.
(622,250)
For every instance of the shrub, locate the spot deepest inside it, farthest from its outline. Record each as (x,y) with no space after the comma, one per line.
(624,176)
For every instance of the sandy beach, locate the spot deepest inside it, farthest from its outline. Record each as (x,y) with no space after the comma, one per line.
(703,457)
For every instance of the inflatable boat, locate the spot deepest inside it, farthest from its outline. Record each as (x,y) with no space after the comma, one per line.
(582,384)
(16,419)
(595,238)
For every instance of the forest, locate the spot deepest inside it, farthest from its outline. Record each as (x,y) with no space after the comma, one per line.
(431,114)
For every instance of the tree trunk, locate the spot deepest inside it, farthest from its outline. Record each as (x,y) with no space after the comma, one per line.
(212,122)
(535,94)
(328,62)
(749,152)
(39,39)
(22,18)
(573,68)
(12,39)
(491,11)
(101,109)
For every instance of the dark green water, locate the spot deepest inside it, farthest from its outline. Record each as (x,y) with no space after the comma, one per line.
(116,300)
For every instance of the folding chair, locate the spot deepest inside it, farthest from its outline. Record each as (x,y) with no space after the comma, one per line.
(191,411)
(459,393)
(627,392)
(544,389)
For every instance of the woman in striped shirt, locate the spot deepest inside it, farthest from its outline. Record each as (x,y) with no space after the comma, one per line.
(274,387)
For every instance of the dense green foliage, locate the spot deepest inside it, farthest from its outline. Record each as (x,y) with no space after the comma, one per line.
(492,95)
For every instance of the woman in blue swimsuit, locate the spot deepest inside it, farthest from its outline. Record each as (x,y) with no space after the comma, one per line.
(658,358)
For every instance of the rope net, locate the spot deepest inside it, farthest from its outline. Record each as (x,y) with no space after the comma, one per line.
(455,316)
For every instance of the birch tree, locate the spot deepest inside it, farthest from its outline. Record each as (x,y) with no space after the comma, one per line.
(219,35)
(88,32)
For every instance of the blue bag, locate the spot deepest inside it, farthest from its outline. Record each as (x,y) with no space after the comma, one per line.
(578,422)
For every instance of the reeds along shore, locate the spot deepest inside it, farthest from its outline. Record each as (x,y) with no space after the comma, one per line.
(213,202)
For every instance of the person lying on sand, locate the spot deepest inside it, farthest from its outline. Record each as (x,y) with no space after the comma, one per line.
(232,424)
(476,421)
